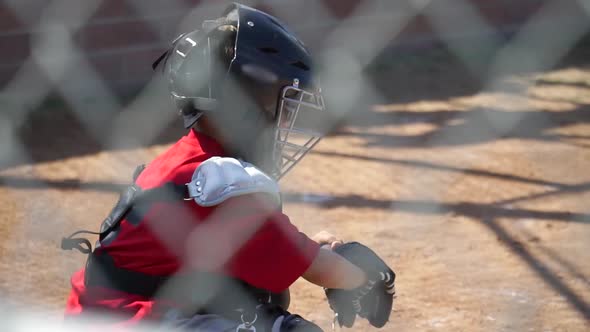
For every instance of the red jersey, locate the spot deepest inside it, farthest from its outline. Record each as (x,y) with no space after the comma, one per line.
(239,238)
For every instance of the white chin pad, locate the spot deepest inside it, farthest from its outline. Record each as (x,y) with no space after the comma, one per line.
(220,178)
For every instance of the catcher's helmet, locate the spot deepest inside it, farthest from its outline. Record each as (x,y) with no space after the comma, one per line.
(252,76)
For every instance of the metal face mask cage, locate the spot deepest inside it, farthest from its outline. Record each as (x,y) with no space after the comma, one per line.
(298,126)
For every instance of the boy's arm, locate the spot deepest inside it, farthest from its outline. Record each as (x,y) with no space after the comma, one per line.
(330,270)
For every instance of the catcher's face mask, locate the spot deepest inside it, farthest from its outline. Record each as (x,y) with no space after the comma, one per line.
(299,126)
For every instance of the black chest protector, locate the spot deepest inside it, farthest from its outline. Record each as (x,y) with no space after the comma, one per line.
(102,271)
(131,197)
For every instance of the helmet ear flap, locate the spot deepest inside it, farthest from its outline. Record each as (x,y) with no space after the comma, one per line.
(195,65)
(190,115)
(185,106)
(166,54)
(186,109)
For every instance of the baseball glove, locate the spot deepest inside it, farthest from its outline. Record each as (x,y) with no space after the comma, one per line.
(372,301)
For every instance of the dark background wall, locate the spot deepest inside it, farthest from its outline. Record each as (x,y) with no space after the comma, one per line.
(120,38)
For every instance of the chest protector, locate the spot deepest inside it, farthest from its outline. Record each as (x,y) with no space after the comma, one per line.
(213,182)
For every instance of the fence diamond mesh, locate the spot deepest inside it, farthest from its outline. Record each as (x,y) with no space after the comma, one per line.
(459,150)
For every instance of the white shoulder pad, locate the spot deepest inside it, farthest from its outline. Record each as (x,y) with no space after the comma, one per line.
(218,179)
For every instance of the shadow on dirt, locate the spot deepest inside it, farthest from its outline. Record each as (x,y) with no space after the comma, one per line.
(474,210)
(447,168)
(69,184)
(468,209)
(471,127)
(538,267)
(53,132)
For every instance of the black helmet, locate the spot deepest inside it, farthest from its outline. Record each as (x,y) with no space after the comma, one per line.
(254,77)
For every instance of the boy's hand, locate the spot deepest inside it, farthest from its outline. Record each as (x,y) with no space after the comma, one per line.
(327,239)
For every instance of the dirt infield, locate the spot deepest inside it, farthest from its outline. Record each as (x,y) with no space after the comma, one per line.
(478,200)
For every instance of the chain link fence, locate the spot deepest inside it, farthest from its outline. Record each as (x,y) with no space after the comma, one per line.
(414,84)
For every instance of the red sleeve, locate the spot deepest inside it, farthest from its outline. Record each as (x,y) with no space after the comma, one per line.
(275,256)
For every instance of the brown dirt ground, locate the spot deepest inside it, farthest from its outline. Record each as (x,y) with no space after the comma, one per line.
(478,200)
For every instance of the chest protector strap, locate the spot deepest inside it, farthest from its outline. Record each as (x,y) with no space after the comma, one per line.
(131,196)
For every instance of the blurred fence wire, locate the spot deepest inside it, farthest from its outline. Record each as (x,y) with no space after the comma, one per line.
(73,49)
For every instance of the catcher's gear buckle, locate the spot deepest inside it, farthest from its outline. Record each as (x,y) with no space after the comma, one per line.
(247,326)
(334,322)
